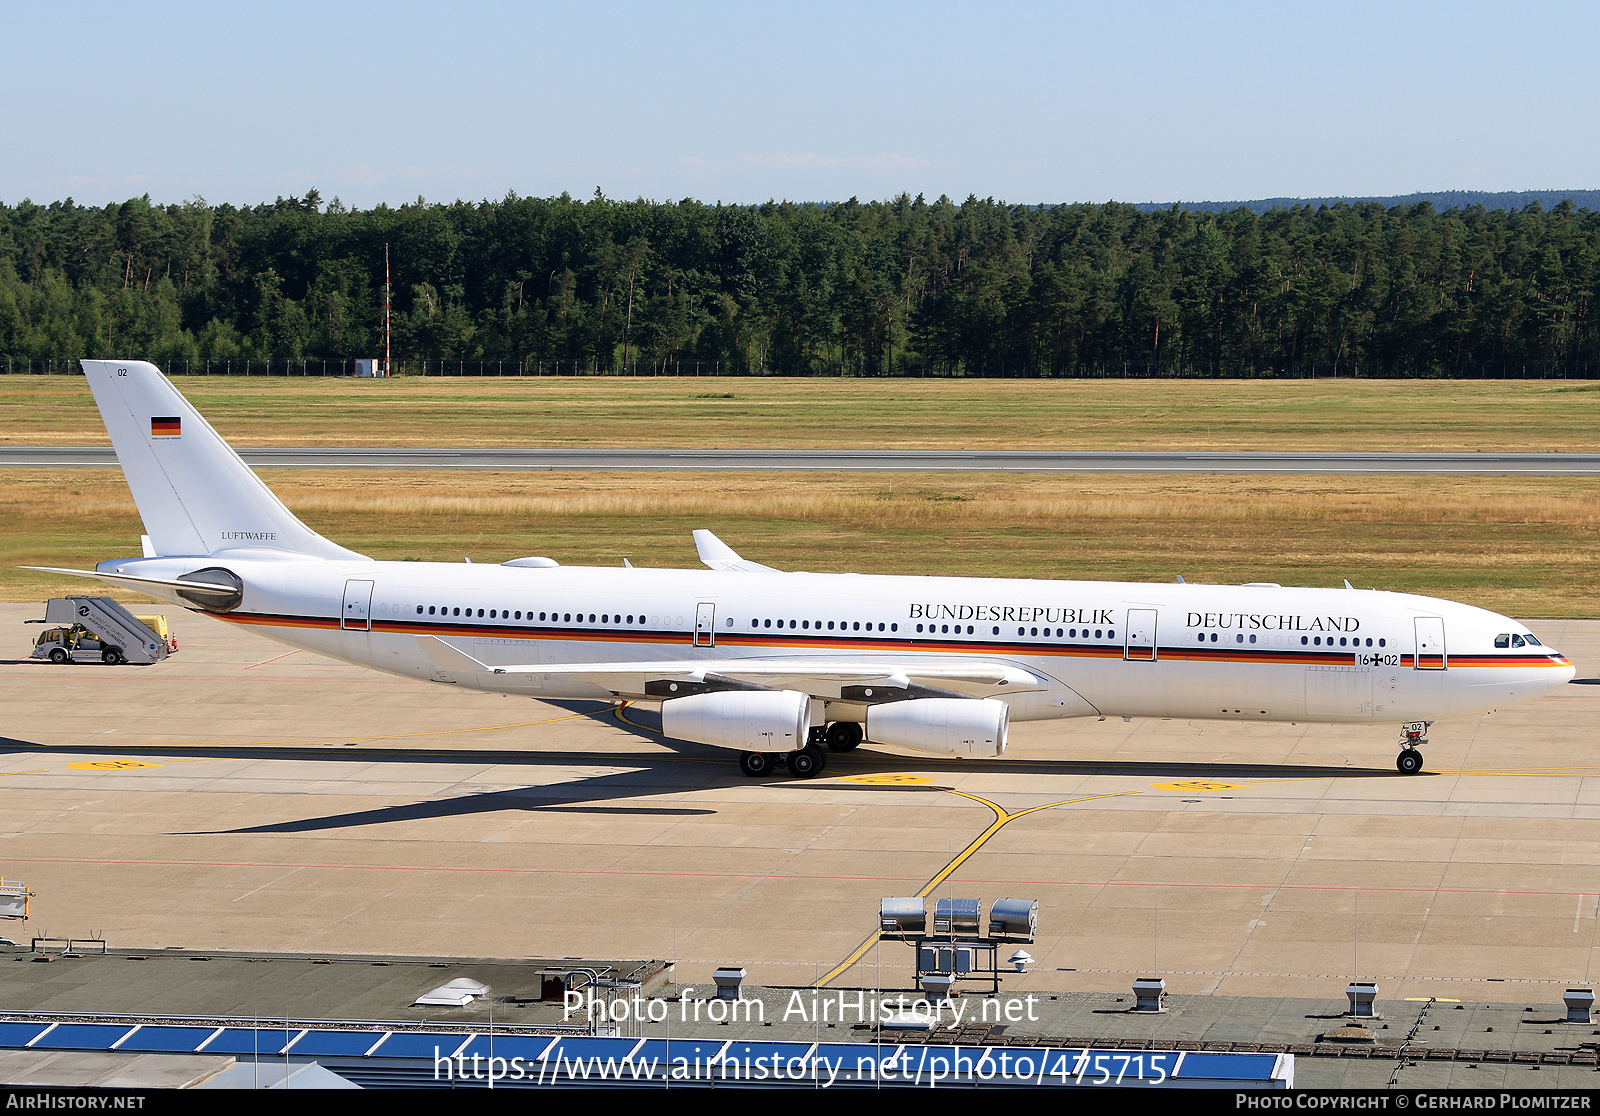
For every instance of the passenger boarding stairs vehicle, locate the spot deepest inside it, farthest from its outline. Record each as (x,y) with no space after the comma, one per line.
(100,628)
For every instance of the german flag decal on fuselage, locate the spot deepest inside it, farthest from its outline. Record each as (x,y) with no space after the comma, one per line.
(166,427)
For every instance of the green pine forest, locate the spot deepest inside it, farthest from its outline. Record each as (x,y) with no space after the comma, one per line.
(897,287)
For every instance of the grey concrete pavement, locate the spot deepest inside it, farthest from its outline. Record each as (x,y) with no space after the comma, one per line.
(245,796)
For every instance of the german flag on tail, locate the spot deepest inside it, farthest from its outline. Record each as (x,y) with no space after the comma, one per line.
(166,427)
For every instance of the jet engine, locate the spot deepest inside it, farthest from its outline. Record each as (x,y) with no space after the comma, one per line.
(949,726)
(750,720)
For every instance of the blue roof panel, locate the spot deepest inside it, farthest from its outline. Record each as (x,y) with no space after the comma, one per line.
(419,1044)
(167,1040)
(1233,1067)
(83,1036)
(690,1051)
(750,1052)
(262,1041)
(328,1044)
(14,1036)
(526,1047)
(575,1049)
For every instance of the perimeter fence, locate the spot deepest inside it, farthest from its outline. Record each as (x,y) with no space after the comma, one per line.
(688,368)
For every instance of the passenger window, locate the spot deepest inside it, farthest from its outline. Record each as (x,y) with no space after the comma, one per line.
(997,631)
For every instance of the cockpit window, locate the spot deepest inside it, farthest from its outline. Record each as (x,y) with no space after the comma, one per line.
(1503,639)
(1518,641)
(1533,640)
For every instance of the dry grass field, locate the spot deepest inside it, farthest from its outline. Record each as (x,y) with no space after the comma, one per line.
(800,413)
(1527,546)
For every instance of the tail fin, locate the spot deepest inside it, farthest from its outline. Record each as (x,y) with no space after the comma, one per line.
(195,495)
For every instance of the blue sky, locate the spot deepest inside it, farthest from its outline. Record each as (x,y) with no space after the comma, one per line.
(738,102)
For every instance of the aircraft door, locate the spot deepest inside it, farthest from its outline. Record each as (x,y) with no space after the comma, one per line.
(1431,654)
(357,611)
(1141,633)
(705,624)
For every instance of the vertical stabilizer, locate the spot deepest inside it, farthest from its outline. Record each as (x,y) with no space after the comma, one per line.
(195,495)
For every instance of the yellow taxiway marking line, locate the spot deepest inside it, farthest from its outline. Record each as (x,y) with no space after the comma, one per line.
(1430,1000)
(38,771)
(1002,818)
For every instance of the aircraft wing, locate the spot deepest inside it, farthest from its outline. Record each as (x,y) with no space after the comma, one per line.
(820,677)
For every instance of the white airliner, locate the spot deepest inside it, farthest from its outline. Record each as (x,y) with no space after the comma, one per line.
(783,666)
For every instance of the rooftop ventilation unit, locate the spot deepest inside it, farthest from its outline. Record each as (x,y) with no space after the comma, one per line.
(1016,919)
(902,916)
(958,916)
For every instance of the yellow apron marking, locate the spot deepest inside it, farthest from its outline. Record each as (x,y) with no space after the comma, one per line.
(887,780)
(1199,786)
(38,771)
(110,765)
(1002,818)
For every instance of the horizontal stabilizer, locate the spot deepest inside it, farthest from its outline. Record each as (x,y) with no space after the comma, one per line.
(720,556)
(130,581)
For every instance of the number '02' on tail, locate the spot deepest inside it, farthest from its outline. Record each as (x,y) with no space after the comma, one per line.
(195,495)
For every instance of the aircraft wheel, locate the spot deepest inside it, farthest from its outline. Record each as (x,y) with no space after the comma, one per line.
(755,764)
(844,736)
(112,655)
(57,655)
(808,762)
(1409,761)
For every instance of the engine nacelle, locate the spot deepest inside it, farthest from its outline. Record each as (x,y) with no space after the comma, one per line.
(949,726)
(750,720)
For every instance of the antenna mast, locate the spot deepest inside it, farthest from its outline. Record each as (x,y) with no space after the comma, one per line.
(387,287)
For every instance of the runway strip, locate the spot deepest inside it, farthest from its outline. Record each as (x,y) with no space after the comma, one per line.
(858,460)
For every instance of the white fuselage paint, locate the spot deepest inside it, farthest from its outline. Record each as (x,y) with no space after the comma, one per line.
(1222,652)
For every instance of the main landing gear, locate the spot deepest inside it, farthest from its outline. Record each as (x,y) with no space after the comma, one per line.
(1412,738)
(844,736)
(808,762)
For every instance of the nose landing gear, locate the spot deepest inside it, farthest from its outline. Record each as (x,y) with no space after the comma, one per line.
(1412,738)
